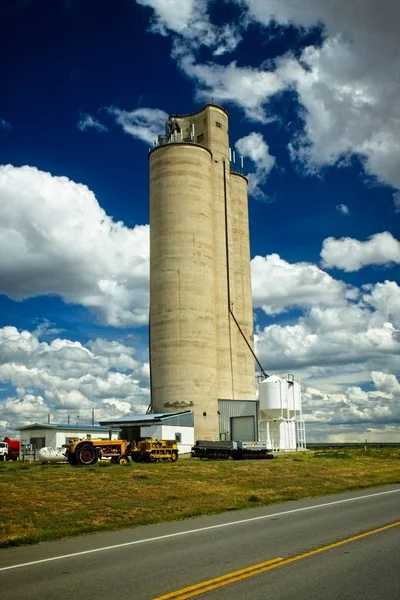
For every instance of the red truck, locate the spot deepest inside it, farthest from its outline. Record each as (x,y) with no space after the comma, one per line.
(9,449)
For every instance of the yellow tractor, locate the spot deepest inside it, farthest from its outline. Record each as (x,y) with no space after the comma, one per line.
(88,452)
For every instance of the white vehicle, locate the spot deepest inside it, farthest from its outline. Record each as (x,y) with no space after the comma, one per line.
(51,454)
(3,450)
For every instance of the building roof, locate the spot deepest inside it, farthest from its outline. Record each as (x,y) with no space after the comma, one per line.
(64,427)
(136,420)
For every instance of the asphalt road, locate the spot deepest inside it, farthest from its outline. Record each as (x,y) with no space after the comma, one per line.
(151,562)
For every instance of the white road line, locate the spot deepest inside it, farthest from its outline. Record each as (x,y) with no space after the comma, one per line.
(200,529)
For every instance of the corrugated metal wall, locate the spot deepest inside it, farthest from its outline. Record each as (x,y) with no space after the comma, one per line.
(235,408)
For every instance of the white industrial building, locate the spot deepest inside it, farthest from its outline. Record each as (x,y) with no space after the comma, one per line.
(40,435)
(163,426)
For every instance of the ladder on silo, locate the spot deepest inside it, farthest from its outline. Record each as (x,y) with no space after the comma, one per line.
(301,435)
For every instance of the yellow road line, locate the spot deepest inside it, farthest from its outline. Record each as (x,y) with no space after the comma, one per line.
(217,582)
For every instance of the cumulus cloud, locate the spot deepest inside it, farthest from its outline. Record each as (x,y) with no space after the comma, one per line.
(386,382)
(345,416)
(355,406)
(385,298)
(325,340)
(190,21)
(256,149)
(58,240)
(349,254)
(344,338)
(342,208)
(248,87)
(87,121)
(145,124)
(294,285)
(62,376)
(346,87)
(349,89)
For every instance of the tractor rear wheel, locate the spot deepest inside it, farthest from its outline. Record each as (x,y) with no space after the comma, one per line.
(86,455)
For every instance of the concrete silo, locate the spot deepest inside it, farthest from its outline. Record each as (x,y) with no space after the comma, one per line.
(201,326)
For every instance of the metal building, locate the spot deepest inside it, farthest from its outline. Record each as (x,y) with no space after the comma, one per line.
(201,321)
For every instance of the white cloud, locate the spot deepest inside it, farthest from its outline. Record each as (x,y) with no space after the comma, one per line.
(347,87)
(343,209)
(385,382)
(143,123)
(352,414)
(63,376)
(87,121)
(247,87)
(58,240)
(256,149)
(344,338)
(294,285)
(189,20)
(349,254)
(330,342)
(5,124)
(385,298)
(350,88)
(355,406)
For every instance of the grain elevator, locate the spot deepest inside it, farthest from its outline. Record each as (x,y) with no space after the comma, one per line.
(201,321)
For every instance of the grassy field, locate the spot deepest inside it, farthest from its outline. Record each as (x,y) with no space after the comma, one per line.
(44,502)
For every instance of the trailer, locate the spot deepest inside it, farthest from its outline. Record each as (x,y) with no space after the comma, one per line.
(224,450)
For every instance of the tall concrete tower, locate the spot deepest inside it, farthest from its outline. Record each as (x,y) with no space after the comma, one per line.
(201,320)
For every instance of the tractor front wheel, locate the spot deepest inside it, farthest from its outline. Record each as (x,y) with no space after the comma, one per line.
(123,460)
(72,459)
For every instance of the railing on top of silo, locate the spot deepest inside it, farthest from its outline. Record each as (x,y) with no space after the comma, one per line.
(174,138)
(236,168)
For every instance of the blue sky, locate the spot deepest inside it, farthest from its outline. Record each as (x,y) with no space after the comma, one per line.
(312,94)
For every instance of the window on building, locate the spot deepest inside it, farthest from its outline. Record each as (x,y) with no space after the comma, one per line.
(200,137)
(217,124)
(38,442)
(71,440)
(178,438)
(89,436)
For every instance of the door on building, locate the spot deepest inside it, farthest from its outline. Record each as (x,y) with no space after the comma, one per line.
(243,429)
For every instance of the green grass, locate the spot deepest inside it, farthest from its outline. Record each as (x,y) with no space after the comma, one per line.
(46,502)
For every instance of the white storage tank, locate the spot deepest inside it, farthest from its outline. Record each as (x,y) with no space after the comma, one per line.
(281,422)
(270,393)
(279,397)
